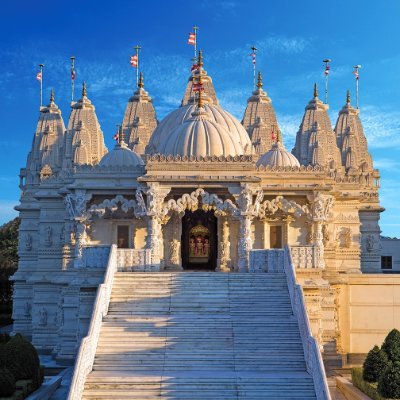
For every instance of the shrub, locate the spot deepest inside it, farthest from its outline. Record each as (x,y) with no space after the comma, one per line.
(366,387)
(391,345)
(22,358)
(374,365)
(7,382)
(389,382)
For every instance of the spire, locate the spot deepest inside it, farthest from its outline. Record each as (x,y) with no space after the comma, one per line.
(200,96)
(348,97)
(315,91)
(200,60)
(279,136)
(141,83)
(84,91)
(259,81)
(52,95)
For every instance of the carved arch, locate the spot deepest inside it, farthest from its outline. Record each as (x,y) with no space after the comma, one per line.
(191,202)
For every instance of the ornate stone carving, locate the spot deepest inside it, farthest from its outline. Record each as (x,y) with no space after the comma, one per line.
(321,207)
(224,246)
(343,237)
(48,239)
(191,202)
(270,207)
(76,204)
(174,252)
(370,243)
(28,242)
(43,316)
(120,202)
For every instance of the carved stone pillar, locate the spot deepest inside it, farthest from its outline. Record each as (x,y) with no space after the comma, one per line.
(153,242)
(321,207)
(80,241)
(224,249)
(245,243)
(155,197)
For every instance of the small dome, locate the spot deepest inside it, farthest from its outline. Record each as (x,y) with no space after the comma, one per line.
(278,156)
(200,136)
(215,113)
(121,156)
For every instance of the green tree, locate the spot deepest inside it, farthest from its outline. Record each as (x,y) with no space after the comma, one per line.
(389,382)
(391,345)
(375,364)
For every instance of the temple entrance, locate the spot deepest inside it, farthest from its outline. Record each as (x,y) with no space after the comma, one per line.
(199,240)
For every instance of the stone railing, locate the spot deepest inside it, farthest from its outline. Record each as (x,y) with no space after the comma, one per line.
(312,354)
(95,256)
(135,260)
(266,260)
(305,256)
(87,350)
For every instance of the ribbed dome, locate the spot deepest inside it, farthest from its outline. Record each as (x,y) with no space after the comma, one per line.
(278,156)
(215,114)
(200,136)
(121,156)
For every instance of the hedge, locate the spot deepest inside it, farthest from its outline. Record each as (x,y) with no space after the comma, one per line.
(370,389)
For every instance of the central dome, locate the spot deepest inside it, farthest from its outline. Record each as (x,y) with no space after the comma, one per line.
(212,132)
(200,136)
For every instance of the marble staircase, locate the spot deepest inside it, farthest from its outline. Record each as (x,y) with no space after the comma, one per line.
(199,336)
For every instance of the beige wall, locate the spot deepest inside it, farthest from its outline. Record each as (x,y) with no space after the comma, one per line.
(369,307)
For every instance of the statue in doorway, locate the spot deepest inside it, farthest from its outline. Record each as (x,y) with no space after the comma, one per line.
(206,247)
(192,246)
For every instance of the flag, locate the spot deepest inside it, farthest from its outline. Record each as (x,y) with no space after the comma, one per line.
(272,134)
(192,39)
(115,137)
(194,67)
(327,68)
(39,76)
(73,74)
(197,87)
(253,56)
(134,61)
(355,72)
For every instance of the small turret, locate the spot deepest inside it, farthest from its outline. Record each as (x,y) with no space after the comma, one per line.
(84,141)
(350,135)
(139,119)
(315,140)
(45,157)
(259,119)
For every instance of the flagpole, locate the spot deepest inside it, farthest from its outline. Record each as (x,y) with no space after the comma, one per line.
(137,48)
(41,84)
(356,68)
(195,29)
(254,49)
(326,61)
(72,79)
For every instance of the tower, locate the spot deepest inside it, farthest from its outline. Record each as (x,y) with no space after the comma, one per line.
(45,157)
(259,119)
(315,139)
(84,141)
(139,119)
(351,140)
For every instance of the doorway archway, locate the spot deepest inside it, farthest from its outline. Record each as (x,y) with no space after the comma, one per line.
(199,240)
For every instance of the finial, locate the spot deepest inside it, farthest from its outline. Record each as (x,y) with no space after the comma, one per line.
(259,81)
(279,136)
(200,59)
(348,97)
(315,90)
(200,96)
(141,84)
(52,95)
(84,92)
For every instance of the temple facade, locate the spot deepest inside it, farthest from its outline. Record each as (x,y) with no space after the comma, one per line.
(198,190)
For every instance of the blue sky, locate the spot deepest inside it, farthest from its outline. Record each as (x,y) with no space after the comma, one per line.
(292,36)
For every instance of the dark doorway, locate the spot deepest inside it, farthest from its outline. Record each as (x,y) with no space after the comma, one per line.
(276,237)
(199,240)
(123,236)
